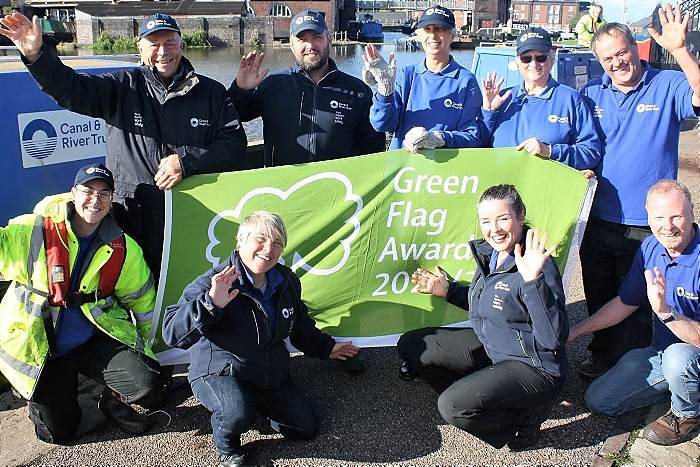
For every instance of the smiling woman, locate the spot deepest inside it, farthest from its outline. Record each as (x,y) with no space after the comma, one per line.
(445,100)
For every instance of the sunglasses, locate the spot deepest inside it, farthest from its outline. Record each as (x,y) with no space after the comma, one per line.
(538,58)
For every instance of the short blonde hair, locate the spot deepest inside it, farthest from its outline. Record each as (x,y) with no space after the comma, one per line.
(264,222)
(665,186)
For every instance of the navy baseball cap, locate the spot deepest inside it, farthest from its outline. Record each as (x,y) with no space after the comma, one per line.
(92,172)
(158,22)
(533,39)
(437,15)
(307,19)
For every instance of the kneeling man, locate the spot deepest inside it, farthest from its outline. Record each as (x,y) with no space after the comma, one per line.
(666,269)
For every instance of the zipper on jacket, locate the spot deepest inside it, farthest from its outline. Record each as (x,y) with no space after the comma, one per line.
(522,346)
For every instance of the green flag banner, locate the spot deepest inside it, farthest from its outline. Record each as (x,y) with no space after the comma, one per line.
(358,227)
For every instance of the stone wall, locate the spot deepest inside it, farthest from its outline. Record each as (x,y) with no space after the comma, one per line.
(224,30)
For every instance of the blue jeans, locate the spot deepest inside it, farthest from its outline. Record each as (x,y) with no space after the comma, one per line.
(648,376)
(234,405)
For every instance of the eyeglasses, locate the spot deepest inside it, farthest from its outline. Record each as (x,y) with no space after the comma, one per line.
(538,58)
(92,194)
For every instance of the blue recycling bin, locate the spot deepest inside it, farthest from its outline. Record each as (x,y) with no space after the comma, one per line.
(572,67)
(43,145)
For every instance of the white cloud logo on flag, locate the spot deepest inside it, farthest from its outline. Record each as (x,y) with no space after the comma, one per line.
(297,261)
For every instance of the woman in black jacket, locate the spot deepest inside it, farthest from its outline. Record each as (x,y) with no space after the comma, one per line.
(498,379)
(234,319)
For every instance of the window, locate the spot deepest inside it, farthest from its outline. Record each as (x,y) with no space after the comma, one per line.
(537,16)
(537,8)
(279,9)
(522,6)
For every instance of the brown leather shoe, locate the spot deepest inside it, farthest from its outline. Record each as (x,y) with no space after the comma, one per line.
(671,429)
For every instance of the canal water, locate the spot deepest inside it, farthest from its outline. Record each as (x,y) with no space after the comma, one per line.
(222,63)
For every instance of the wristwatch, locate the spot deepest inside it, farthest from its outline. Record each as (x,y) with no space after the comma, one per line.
(672,316)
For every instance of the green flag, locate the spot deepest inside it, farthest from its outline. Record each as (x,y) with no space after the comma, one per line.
(358,227)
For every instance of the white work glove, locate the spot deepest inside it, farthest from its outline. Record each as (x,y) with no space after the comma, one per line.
(381,73)
(418,137)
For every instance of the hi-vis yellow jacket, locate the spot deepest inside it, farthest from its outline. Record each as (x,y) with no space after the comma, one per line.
(25,309)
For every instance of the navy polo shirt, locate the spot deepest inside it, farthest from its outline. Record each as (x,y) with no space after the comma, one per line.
(683,282)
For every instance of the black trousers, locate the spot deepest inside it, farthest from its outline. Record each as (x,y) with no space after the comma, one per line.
(54,408)
(489,400)
(607,253)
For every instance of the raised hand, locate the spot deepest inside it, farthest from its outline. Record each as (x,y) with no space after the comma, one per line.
(656,291)
(490,91)
(25,34)
(378,71)
(673,28)
(249,74)
(221,284)
(433,283)
(531,262)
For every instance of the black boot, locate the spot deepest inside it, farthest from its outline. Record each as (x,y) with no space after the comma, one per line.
(407,372)
(529,433)
(126,418)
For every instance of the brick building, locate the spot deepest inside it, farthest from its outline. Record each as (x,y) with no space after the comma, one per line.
(553,15)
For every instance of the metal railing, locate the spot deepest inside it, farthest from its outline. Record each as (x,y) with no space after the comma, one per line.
(369,5)
(660,58)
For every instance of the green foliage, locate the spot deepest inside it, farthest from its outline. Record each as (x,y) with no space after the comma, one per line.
(196,39)
(573,20)
(105,42)
(7,10)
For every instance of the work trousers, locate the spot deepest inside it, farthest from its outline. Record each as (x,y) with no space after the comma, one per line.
(54,408)
(489,400)
(234,405)
(607,253)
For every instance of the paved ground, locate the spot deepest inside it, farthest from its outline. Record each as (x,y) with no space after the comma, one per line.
(372,419)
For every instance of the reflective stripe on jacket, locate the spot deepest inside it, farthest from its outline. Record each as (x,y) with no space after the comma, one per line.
(25,309)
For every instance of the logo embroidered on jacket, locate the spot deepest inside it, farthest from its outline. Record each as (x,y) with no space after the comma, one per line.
(450,104)
(641,108)
(138,120)
(340,105)
(195,122)
(497,302)
(556,119)
(681,292)
(500,285)
(287,312)
(598,112)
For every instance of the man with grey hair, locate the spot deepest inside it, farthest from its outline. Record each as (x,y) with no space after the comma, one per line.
(638,112)
(164,121)
(666,272)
